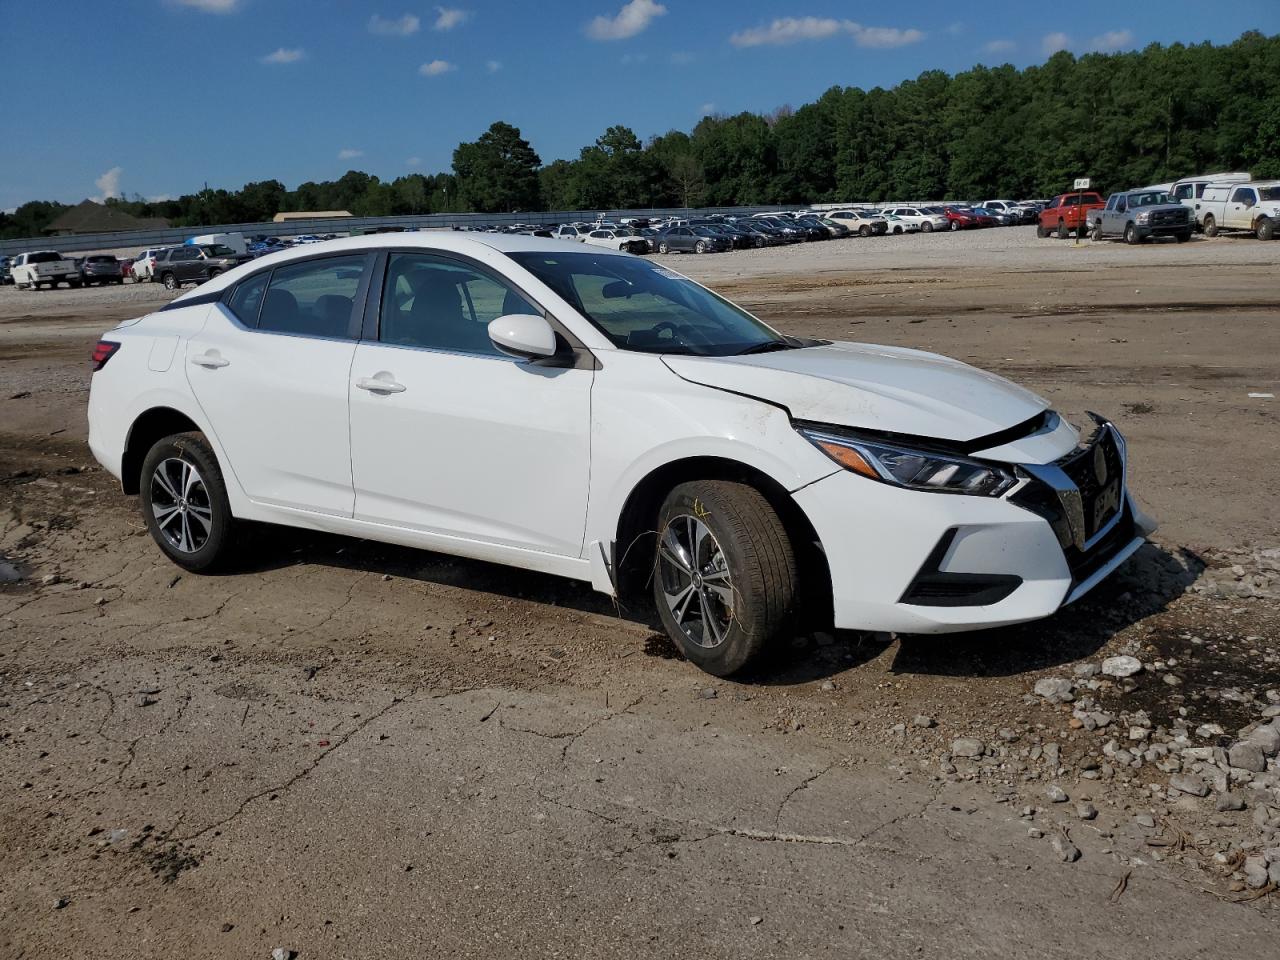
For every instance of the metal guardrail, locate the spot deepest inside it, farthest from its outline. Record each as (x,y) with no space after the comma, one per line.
(89,242)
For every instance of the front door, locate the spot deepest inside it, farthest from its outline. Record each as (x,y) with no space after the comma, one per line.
(1240,208)
(270,369)
(452,437)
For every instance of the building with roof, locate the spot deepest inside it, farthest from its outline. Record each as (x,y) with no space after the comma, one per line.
(309,215)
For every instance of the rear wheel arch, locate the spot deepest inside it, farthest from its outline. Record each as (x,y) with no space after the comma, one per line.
(149,428)
(637,527)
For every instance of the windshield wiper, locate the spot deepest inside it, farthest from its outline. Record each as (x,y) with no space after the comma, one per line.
(767,346)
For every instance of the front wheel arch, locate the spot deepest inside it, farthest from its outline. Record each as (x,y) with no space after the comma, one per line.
(636,528)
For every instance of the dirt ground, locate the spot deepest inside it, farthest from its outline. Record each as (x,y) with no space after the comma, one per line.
(349,749)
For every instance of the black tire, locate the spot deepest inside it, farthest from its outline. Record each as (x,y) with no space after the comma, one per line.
(1184,236)
(955,225)
(1097,232)
(1131,234)
(1266,229)
(926,227)
(218,546)
(1063,232)
(700,247)
(663,248)
(760,563)
(1210,226)
(1041,231)
(170,281)
(214,272)
(864,231)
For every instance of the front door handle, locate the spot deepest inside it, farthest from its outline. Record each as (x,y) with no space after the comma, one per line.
(210,361)
(380,385)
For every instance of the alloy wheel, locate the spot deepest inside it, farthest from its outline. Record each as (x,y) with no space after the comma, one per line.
(695,581)
(180,504)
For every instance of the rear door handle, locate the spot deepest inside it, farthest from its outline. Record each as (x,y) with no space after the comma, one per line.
(379,385)
(210,361)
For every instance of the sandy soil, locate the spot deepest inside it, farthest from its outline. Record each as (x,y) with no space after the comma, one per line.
(348,749)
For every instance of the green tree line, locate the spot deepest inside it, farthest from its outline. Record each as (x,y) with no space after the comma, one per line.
(1125,119)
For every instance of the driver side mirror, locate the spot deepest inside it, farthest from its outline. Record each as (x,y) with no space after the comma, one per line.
(523,336)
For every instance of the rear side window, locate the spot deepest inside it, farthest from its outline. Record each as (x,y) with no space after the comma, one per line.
(247,298)
(442,304)
(314,298)
(1243,195)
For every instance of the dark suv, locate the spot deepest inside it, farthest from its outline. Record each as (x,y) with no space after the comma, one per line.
(195,264)
(100,269)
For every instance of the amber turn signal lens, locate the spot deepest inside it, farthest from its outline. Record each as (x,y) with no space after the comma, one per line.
(848,458)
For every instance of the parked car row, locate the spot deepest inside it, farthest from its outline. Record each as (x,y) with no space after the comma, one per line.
(172,266)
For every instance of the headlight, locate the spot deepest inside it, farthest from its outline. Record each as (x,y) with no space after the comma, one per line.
(1144,217)
(913,469)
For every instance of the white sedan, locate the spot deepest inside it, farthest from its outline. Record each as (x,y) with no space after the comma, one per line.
(594,415)
(622,240)
(921,219)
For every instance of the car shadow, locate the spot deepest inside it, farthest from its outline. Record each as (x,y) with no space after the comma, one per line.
(1144,586)
(1151,580)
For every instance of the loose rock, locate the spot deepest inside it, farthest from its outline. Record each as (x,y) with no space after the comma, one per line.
(1188,783)
(1067,851)
(967,747)
(1056,794)
(1247,756)
(1121,666)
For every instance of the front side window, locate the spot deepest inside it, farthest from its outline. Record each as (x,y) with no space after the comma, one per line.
(313,298)
(1182,191)
(644,307)
(443,304)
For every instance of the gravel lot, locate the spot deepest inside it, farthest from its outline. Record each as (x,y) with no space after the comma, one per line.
(347,749)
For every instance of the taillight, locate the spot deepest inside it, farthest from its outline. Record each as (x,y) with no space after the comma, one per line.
(104,351)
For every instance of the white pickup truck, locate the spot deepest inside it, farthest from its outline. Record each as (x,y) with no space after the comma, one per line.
(32,270)
(1240,206)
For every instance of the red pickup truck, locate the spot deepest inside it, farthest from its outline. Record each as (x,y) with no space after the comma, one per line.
(1067,212)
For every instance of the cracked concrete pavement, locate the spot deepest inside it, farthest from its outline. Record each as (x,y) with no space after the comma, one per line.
(354,750)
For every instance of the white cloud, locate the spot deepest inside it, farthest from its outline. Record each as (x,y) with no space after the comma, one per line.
(628,58)
(955,29)
(998,46)
(209,6)
(349,153)
(435,68)
(885,37)
(633,18)
(413,162)
(788,30)
(401,27)
(1053,42)
(109,183)
(449,17)
(682,57)
(1111,41)
(283,55)
(493,66)
(706,109)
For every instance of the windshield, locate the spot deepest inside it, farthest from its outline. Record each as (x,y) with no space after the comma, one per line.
(1147,199)
(644,307)
(218,250)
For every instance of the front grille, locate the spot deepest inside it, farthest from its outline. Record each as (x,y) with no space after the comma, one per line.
(1098,472)
(1169,218)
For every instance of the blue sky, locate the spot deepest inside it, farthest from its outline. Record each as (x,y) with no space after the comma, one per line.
(158,97)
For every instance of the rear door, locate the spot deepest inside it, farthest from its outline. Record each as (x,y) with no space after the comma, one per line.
(454,438)
(270,370)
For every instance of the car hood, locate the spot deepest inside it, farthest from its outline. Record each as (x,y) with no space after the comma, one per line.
(871,387)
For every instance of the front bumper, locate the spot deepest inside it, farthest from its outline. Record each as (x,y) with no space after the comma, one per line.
(916,562)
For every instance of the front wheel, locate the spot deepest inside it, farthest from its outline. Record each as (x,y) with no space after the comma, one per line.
(725,574)
(1097,232)
(1266,229)
(700,247)
(663,248)
(184,502)
(170,281)
(1131,234)
(1210,226)
(1184,236)
(955,225)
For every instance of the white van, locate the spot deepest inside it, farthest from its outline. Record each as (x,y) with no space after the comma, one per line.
(235,241)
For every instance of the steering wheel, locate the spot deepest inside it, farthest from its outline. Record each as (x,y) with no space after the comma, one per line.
(667,325)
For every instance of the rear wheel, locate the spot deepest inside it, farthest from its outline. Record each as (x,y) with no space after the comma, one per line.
(1210,226)
(926,227)
(169,280)
(663,248)
(955,225)
(725,574)
(700,247)
(1041,231)
(864,231)
(1063,233)
(184,502)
